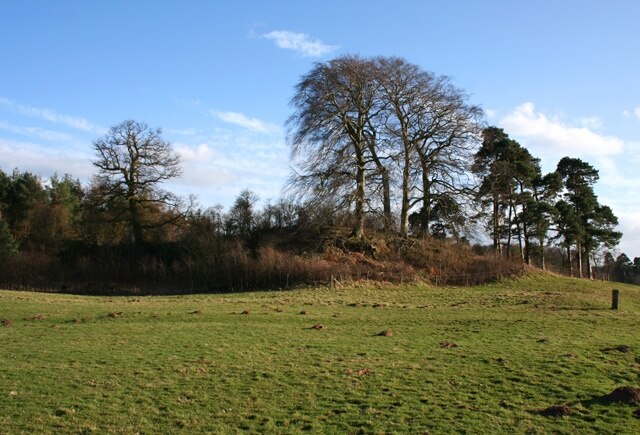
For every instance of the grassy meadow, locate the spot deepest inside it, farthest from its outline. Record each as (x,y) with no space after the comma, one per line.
(482,359)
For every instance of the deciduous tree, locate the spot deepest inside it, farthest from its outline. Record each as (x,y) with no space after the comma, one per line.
(133,160)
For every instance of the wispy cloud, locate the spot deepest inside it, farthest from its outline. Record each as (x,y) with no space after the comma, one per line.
(592,122)
(222,165)
(37,132)
(50,116)
(43,161)
(300,43)
(537,130)
(635,113)
(241,120)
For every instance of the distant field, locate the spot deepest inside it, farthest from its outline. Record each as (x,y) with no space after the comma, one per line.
(477,360)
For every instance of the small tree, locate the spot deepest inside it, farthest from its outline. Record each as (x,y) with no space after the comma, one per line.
(132,161)
(8,246)
(241,219)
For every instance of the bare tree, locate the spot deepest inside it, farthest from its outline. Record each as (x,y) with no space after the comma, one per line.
(435,131)
(360,124)
(132,161)
(331,131)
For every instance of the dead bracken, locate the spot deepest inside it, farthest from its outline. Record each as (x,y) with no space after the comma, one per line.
(7,323)
(115,314)
(556,411)
(386,333)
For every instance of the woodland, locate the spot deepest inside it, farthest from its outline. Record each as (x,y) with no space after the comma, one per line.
(397,177)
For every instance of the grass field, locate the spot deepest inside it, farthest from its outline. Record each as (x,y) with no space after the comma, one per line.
(476,360)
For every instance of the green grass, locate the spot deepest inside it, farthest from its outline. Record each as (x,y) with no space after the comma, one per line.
(195,364)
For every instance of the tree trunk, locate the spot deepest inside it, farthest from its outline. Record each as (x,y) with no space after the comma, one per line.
(404,211)
(509,232)
(136,224)
(569,259)
(386,199)
(358,229)
(589,270)
(542,264)
(579,253)
(425,213)
(525,232)
(386,187)
(519,238)
(497,246)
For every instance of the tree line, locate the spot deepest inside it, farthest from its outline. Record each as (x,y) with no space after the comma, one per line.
(371,132)
(380,147)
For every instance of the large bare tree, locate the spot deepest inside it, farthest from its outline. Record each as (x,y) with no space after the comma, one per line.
(331,131)
(360,124)
(435,131)
(133,160)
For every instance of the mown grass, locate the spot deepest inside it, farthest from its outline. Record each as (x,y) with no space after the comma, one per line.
(196,364)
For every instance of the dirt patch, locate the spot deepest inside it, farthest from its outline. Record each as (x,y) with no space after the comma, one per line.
(448,344)
(7,323)
(627,395)
(317,326)
(195,312)
(620,348)
(79,320)
(543,340)
(303,313)
(385,333)
(36,317)
(360,372)
(556,411)
(245,312)
(115,314)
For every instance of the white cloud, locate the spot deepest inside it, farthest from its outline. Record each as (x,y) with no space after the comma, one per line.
(219,164)
(241,120)
(537,130)
(50,116)
(630,228)
(299,42)
(43,161)
(37,132)
(632,113)
(197,153)
(490,113)
(591,122)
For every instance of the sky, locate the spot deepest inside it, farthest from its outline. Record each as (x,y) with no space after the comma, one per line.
(561,77)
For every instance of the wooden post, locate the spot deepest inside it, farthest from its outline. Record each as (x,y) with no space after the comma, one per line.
(615,296)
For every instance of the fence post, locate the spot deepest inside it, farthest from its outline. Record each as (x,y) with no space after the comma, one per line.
(615,297)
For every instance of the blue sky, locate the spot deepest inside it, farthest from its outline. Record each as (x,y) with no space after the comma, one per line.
(562,77)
